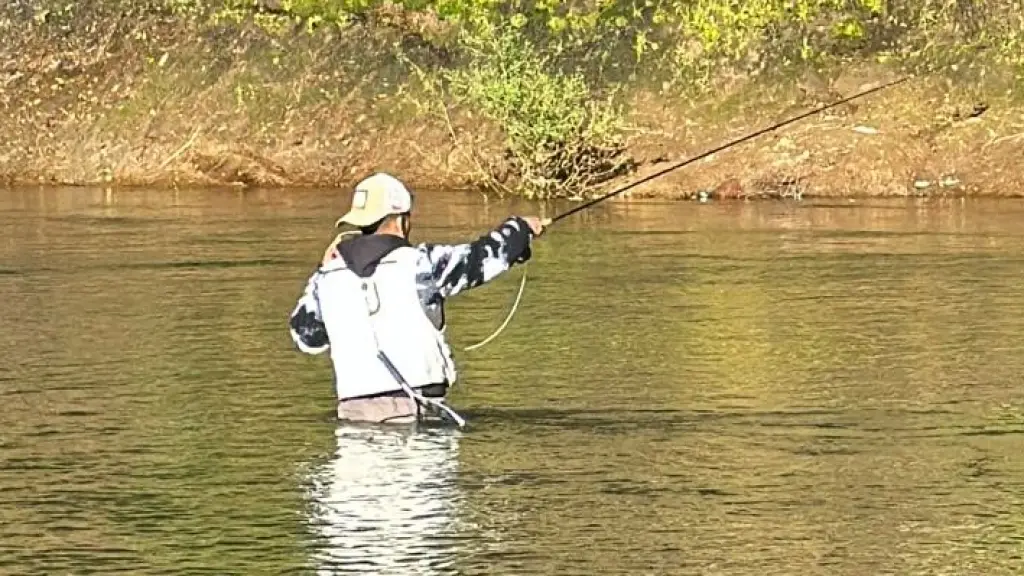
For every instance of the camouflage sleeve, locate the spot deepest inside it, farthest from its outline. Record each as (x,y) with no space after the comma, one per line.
(305,324)
(460,267)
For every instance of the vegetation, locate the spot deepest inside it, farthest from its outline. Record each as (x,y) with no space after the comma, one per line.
(551,76)
(561,139)
(546,72)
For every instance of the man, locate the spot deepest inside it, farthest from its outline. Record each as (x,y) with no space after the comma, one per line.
(377,302)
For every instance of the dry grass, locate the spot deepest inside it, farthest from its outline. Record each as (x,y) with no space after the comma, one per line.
(239,108)
(887,144)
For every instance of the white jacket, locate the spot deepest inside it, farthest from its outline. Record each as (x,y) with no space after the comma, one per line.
(385,294)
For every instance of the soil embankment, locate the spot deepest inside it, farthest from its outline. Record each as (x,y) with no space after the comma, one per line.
(149,97)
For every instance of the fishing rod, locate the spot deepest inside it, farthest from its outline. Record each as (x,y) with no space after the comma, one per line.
(676,166)
(725,146)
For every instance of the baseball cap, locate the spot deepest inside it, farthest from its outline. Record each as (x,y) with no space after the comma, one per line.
(375,198)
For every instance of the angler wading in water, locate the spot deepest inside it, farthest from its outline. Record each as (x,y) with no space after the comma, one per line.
(377,303)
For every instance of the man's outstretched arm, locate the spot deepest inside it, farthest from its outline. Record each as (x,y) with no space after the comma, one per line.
(460,267)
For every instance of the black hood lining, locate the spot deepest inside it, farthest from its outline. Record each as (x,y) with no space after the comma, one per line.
(363,253)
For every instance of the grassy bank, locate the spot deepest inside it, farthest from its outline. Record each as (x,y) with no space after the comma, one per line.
(542,99)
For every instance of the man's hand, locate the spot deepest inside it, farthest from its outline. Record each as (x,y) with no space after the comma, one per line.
(332,249)
(537,224)
(330,254)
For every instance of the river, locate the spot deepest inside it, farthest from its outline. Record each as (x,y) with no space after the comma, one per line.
(831,388)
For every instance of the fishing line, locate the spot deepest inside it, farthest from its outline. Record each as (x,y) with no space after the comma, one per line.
(515,305)
(677,166)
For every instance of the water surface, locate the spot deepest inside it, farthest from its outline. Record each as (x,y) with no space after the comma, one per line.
(773,388)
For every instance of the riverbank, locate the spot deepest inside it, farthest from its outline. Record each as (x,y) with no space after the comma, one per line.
(152,97)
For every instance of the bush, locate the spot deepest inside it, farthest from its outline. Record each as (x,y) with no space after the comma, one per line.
(560,140)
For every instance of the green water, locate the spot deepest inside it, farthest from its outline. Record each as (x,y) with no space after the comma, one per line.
(736,388)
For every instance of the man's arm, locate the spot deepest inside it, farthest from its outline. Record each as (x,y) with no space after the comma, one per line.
(460,267)
(306,325)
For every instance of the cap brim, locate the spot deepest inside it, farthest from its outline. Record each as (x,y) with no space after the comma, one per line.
(357,218)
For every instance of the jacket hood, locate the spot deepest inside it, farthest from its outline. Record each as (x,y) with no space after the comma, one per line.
(362,253)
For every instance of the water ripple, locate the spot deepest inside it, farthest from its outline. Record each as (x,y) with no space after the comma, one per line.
(716,389)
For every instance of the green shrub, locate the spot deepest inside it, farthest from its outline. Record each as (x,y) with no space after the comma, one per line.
(561,140)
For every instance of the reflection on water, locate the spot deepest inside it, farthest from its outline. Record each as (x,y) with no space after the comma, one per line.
(385,502)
